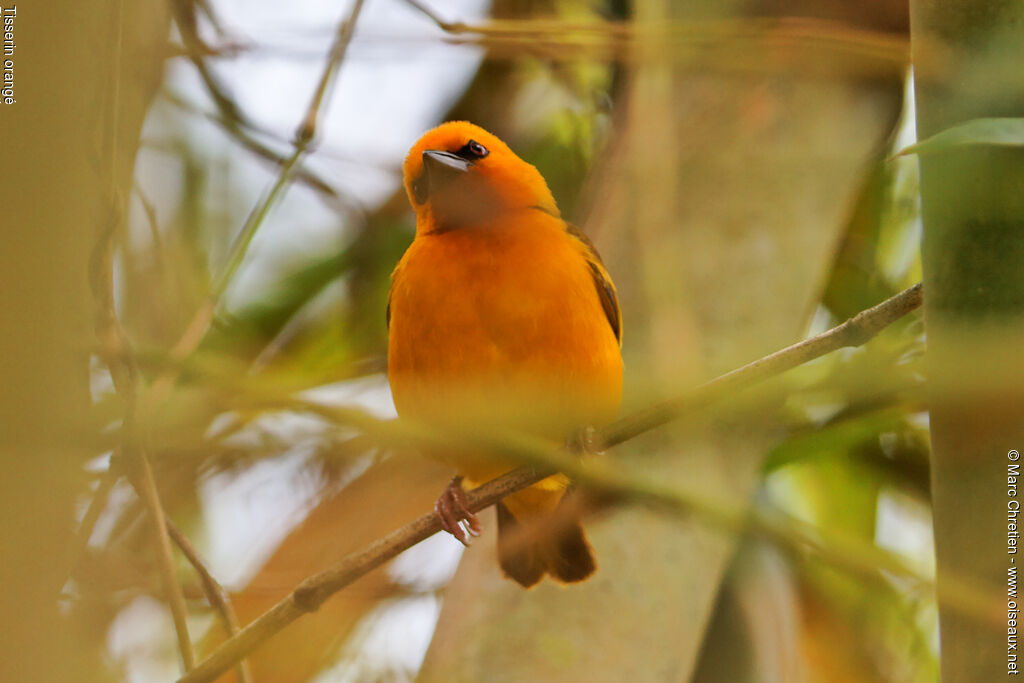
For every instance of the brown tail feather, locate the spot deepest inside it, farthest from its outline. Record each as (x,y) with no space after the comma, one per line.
(562,552)
(519,559)
(568,555)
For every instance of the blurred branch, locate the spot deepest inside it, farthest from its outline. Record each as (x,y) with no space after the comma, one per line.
(236,130)
(211,16)
(308,128)
(875,50)
(304,137)
(856,556)
(97,505)
(115,350)
(447,27)
(218,598)
(231,117)
(154,225)
(141,476)
(856,331)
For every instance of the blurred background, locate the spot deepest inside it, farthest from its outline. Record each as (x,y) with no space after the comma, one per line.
(731,161)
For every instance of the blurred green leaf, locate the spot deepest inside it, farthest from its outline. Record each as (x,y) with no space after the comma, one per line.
(1000,132)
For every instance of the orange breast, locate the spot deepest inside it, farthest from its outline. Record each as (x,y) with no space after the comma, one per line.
(502,322)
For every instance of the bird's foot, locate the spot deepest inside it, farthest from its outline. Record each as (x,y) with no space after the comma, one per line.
(452,510)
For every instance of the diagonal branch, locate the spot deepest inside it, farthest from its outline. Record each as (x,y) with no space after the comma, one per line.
(856,331)
(218,598)
(312,592)
(97,505)
(141,476)
(245,136)
(304,137)
(230,115)
(114,342)
(115,350)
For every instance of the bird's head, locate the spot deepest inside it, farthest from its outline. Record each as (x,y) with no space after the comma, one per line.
(458,174)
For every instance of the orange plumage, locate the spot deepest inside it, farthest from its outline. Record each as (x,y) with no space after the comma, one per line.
(500,312)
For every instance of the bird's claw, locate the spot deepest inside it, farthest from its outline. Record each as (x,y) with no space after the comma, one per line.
(452,510)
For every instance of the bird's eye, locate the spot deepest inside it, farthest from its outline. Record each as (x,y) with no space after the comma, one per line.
(472,150)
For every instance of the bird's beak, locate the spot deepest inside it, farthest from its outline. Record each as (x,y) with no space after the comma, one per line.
(440,163)
(439,169)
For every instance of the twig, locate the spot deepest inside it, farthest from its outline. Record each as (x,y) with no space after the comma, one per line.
(92,515)
(345,31)
(304,137)
(856,331)
(614,40)
(115,349)
(211,16)
(312,592)
(142,477)
(218,598)
(446,26)
(151,219)
(231,116)
(139,462)
(240,132)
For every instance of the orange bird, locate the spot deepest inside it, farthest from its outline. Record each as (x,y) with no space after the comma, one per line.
(501,313)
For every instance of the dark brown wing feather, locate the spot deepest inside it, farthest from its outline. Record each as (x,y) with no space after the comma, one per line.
(602,282)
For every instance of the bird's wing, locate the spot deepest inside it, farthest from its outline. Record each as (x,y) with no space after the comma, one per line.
(602,281)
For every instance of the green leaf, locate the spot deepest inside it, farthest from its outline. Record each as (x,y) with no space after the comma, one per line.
(1002,132)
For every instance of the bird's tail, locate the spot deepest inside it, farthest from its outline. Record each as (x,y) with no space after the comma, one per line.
(556,545)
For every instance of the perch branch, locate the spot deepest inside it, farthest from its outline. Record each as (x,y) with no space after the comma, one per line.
(312,592)
(856,331)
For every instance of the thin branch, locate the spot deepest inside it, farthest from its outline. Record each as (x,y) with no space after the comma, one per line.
(116,352)
(241,132)
(218,598)
(856,331)
(304,137)
(616,40)
(345,31)
(312,592)
(232,118)
(244,134)
(115,342)
(211,16)
(241,244)
(446,26)
(92,515)
(145,484)
(154,224)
